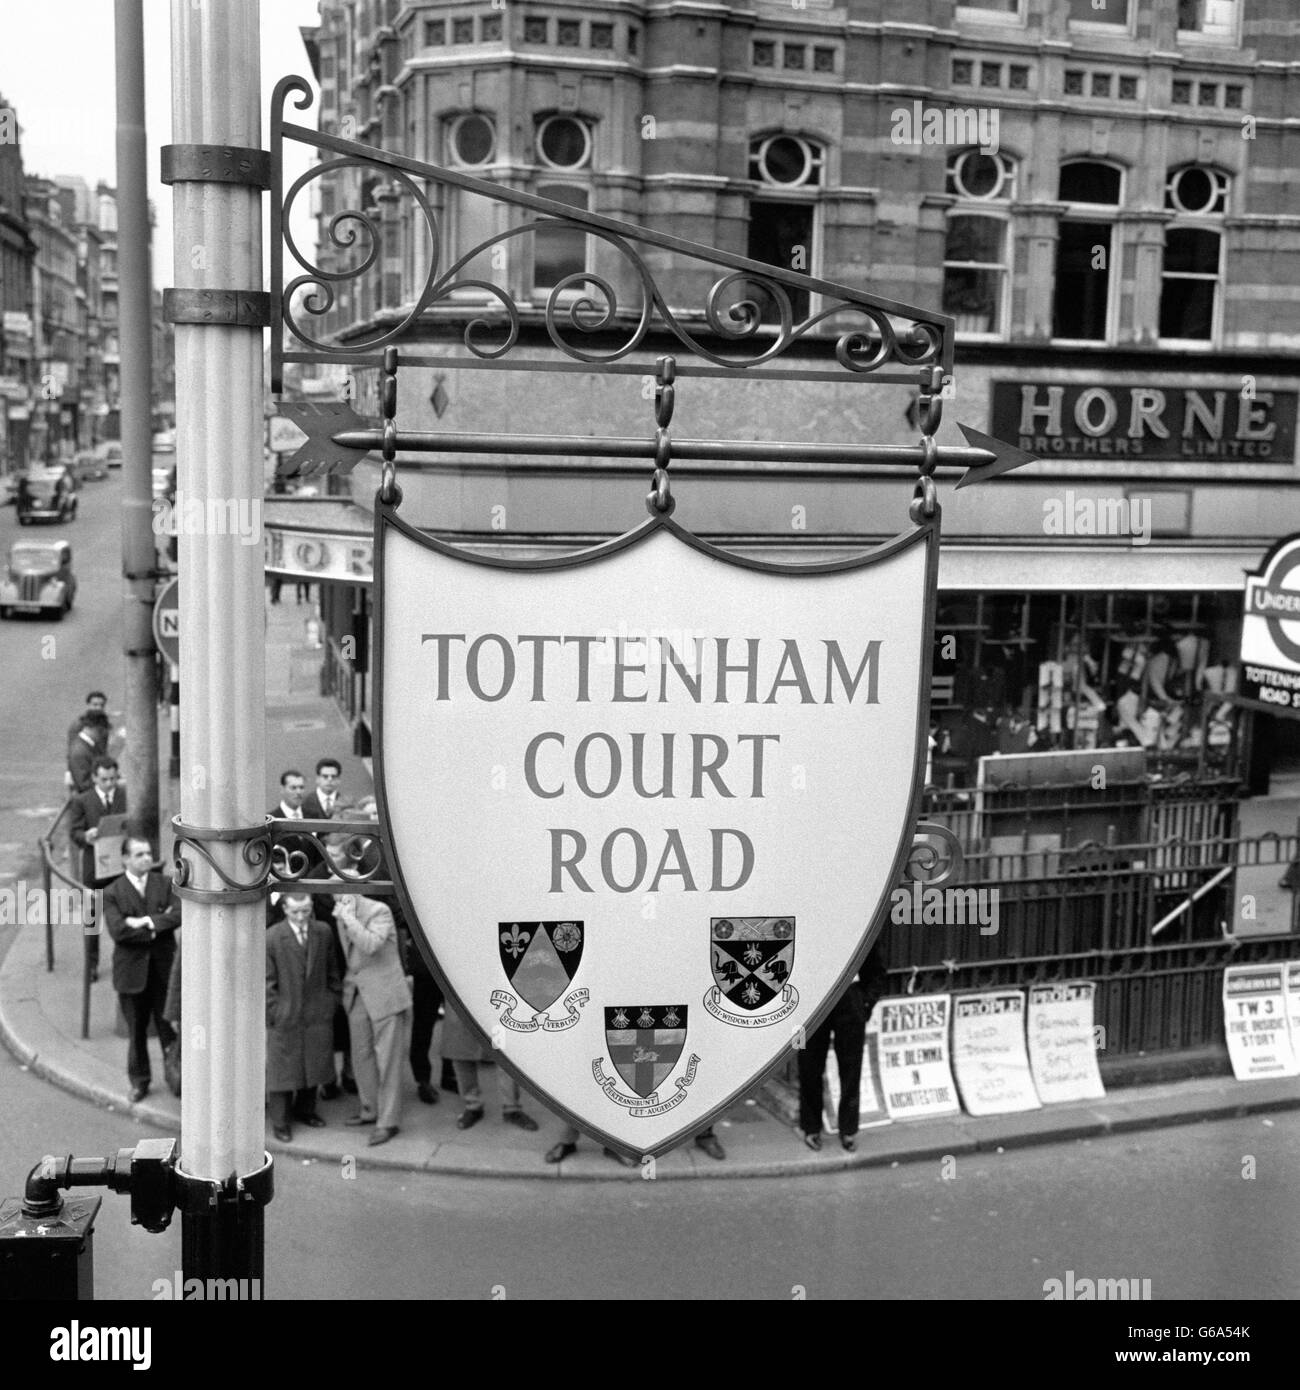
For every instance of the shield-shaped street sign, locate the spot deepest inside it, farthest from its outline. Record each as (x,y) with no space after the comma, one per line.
(616,787)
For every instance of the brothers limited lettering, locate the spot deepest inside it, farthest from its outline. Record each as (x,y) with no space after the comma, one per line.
(681,764)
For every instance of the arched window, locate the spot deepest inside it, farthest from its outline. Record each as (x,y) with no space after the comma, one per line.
(1192,270)
(1085,250)
(564,147)
(788,171)
(977,252)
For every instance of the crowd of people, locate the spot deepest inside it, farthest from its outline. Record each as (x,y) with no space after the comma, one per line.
(350,1000)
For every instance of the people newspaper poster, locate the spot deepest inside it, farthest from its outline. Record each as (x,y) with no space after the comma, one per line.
(646,804)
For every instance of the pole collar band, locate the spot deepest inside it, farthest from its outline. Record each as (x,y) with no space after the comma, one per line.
(216,164)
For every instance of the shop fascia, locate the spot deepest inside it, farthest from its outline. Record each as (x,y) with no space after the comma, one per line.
(1151,421)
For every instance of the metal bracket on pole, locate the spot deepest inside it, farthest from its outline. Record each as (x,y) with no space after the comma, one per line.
(256,840)
(233,308)
(216,164)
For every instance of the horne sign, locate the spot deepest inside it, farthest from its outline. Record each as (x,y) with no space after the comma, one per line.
(647,808)
(1153,423)
(1270,632)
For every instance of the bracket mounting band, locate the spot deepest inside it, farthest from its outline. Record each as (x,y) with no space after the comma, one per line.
(233,308)
(216,164)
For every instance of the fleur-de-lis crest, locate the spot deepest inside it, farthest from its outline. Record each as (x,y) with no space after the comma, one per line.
(514,940)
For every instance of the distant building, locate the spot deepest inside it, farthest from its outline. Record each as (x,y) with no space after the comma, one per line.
(17,256)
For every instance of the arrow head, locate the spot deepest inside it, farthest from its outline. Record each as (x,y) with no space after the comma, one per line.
(320,421)
(1005,457)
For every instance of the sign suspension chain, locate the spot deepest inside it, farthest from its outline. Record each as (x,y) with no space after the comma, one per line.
(660,500)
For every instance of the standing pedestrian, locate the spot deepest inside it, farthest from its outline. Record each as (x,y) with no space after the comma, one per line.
(88,743)
(105,798)
(302,986)
(377,998)
(846,1026)
(324,799)
(142,914)
(469,1057)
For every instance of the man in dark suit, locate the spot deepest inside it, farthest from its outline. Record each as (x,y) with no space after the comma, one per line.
(321,804)
(88,741)
(96,703)
(303,982)
(293,790)
(105,798)
(142,914)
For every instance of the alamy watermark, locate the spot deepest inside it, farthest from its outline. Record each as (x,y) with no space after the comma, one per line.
(22,906)
(919,124)
(209,516)
(1073,515)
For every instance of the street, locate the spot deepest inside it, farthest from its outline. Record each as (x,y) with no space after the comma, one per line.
(1171,1206)
(49,667)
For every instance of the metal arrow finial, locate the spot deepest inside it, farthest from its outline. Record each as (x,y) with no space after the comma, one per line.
(320,421)
(1005,457)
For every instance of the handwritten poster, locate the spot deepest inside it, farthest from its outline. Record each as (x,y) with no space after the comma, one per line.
(1062,1042)
(988,1053)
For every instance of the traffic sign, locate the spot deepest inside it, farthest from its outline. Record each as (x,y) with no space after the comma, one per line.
(167,622)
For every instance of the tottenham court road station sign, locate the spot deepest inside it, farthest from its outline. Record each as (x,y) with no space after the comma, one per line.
(646,804)
(1270,632)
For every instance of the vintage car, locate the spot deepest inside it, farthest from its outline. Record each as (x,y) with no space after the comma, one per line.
(38,579)
(111,452)
(89,464)
(46,494)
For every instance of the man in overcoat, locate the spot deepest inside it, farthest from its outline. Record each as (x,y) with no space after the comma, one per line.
(302,987)
(142,914)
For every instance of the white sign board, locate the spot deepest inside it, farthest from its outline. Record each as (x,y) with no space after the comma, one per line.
(989,1055)
(871,1099)
(1063,1042)
(915,1074)
(1255,1022)
(646,808)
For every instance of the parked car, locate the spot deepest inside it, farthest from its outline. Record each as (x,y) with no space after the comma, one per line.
(111,452)
(164,481)
(46,494)
(38,579)
(89,464)
(164,442)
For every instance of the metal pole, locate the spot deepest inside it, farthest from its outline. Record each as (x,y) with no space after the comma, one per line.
(216,105)
(140,756)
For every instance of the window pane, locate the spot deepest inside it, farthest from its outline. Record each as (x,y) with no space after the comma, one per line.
(1100,11)
(1192,250)
(1082,288)
(971,297)
(557,250)
(974,239)
(1088,183)
(1187,309)
(780,234)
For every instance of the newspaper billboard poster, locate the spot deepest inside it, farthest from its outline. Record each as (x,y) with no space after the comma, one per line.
(645,805)
(1255,1022)
(989,1055)
(915,1073)
(1063,1042)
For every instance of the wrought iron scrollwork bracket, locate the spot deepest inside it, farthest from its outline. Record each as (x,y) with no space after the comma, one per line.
(195,839)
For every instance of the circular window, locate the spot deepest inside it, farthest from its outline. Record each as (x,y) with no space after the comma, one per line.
(786,160)
(563,142)
(1196,190)
(473,140)
(978,175)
